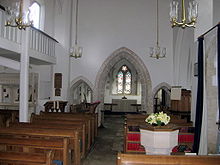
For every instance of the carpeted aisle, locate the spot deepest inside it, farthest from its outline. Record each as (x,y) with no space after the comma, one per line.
(108,143)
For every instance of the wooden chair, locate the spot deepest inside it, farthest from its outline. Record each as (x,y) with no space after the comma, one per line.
(7,116)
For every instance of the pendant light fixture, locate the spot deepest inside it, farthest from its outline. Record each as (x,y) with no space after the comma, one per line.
(76,50)
(17,17)
(192,14)
(157,52)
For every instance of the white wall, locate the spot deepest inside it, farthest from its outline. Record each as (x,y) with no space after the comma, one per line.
(183,61)
(44,85)
(49,17)
(62,23)
(205,17)
(105,26)
(46,78)
(4,3)
(216,12)
(62,67)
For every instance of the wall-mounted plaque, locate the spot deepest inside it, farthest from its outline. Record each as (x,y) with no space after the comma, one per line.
(58,83)
(58,80)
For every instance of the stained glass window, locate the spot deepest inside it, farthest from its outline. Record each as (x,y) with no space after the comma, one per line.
(124,68)
(124,80)
(120,82)
(127,89)
(35,14)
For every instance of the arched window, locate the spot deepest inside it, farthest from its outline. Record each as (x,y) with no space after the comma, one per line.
(35,14)
(124,80)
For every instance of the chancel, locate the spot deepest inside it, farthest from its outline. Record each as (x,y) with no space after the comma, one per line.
(55,109)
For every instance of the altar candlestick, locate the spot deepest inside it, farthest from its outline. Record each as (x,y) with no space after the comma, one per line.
(58,106)
(54,106)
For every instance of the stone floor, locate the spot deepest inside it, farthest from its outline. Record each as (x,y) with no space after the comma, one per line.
(108,143)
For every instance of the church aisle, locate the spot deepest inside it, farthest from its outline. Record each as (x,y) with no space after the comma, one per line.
(108,143)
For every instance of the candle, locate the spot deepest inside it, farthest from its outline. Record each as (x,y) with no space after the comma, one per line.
(53,104)
(58,106)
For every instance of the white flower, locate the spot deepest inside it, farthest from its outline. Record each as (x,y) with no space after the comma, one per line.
(158,118)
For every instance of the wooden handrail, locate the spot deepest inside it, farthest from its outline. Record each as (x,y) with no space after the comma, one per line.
(44,34)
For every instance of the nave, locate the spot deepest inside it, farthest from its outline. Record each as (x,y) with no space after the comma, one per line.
(65,138)
(108,142)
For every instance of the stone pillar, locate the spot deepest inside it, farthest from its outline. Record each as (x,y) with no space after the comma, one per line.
(212,102)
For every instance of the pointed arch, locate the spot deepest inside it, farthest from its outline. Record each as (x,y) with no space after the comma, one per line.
(165,86)
(76,82)
(146,84)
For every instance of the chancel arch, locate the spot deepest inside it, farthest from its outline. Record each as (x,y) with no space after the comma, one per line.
(161,96)
(81,89)
(143,74)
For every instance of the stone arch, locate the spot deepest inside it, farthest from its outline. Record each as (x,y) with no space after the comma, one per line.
(165,86)
(75,82)
(146,84)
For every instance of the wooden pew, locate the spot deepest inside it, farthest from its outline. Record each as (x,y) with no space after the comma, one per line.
(31,145)
(47,134)
(87,121)
(137,159)
(36,119)
(132,142)
(94,117)
(21,158)
(71,127)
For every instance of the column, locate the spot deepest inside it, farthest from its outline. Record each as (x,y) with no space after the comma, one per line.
(24,77)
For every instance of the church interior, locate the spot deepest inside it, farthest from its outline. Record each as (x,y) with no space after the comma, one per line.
(115,82)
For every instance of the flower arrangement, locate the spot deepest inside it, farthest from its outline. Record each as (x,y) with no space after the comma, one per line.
(158,119)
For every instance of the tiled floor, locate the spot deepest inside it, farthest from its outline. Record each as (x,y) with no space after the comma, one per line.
(108,143)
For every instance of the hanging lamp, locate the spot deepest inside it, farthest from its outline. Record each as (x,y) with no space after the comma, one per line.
(157,52)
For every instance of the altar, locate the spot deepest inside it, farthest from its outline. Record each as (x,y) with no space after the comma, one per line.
(124,105)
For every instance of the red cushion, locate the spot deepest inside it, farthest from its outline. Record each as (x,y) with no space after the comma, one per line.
(185,138)
(135,147)
(133,136)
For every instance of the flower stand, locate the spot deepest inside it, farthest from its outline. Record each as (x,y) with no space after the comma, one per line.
(159,140)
